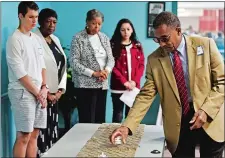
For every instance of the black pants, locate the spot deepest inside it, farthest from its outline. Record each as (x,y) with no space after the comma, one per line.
(49,136)
(91,105)
(189,139)
(118,107)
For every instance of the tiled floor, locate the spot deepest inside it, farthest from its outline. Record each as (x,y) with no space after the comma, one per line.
(167,153)
(197,154)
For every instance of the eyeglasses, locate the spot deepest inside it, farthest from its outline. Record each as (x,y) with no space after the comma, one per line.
(161,39)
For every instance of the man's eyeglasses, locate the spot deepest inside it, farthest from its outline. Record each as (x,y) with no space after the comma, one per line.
(162,39)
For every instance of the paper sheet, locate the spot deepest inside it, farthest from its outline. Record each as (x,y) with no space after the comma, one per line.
(128,97)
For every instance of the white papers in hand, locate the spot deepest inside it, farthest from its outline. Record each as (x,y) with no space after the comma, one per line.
(128,97)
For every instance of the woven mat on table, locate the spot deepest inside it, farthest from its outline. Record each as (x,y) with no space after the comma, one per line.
(99,143)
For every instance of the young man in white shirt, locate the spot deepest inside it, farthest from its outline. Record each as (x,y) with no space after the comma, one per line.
(27,88)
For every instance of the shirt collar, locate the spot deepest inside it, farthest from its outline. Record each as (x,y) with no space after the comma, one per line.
(180,48)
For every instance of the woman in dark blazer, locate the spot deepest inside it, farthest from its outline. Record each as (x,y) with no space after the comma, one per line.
(91,61)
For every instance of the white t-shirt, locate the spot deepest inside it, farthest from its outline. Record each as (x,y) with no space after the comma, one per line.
(100,52)
(24,56)
(128,47)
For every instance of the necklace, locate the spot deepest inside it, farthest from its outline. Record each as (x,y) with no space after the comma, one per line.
(48,40)
(126,42)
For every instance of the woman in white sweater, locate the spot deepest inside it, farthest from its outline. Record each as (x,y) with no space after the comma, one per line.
(91,61)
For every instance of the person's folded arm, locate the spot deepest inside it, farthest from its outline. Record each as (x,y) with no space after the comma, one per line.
(43,73)
(62,84)
(16,64)
(141,68)
(118,75)
(110,59)
(75,57)
(215,98)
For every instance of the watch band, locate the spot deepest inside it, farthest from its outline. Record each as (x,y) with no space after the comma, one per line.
(44,85)
(59,90)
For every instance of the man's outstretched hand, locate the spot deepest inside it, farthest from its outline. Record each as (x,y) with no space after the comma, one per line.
(121,131)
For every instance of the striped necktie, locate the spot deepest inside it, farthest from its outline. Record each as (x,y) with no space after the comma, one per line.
(179,76)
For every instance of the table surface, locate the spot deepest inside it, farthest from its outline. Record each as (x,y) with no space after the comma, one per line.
(73,141)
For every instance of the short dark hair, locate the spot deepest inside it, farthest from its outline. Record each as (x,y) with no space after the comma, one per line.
(94,13)
(24,5)
(166,18)
(46,13)
(220,34)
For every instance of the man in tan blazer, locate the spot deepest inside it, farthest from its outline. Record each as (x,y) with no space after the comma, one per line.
(188,74)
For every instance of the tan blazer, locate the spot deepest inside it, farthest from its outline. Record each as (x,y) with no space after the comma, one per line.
(206,75)
(51,65)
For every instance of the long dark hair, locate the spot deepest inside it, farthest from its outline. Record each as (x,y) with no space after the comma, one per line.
(117,38)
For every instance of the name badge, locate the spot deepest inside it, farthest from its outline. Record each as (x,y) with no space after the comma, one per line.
(200,50)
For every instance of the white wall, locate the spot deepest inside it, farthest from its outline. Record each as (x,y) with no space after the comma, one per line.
(187,21)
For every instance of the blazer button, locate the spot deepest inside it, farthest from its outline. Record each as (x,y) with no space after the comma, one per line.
(138,57)
(124,54)
(124,63)
(125,72)
(178,124)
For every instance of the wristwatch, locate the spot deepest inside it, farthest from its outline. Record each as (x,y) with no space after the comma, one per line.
(44,85)
(59,90)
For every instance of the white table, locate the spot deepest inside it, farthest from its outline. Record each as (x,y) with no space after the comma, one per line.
(72,142)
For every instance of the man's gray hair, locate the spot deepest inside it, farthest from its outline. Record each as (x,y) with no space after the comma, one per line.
(94,13)
(166,18)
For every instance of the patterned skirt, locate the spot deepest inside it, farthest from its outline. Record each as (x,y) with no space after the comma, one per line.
(47,137)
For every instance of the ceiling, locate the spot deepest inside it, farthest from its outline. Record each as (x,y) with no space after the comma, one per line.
(193,9)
